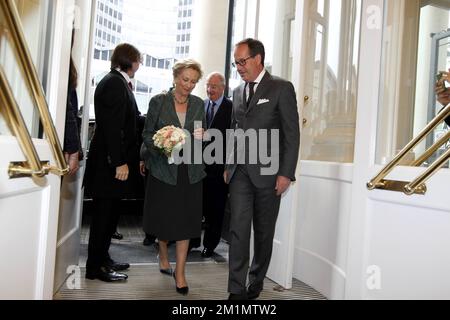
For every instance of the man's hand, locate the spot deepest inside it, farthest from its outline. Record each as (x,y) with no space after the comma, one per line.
(73,162)
(142,168)
(283,184)
(122,173)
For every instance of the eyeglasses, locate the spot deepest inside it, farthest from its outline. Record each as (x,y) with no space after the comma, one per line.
(241,62)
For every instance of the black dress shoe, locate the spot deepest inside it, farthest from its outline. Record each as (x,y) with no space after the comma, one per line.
(252,295)
(147,242)
(234,296)
(207,253)
(117,266)
(183,290)
(106,274)
(117,236)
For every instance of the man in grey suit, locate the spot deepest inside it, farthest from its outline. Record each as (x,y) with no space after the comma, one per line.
(264,103)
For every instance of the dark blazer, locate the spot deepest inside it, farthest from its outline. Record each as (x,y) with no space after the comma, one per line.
(274,106)
(161,113)
(72,142)
(115,139)
(222,122)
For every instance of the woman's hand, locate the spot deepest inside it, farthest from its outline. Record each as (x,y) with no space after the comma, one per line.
(73,162)
(198,133)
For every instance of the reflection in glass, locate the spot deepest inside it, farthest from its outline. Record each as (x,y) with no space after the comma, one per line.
(331,80)
(415,48)
(31,17)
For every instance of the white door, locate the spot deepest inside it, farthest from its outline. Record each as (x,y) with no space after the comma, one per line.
(71,205)
(280,269)
(29,205)
(328,70)
(399,244)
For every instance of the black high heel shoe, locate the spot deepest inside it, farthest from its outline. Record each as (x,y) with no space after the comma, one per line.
(168,271)
(183,290)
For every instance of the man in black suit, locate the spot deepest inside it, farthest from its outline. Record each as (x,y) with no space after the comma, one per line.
(113,162)
(263,102)
(215,190)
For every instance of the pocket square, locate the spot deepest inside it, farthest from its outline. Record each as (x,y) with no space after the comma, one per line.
(262,101)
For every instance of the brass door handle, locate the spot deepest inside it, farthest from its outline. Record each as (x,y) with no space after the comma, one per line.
(306,99)
(16,124)
(305,121)
(22,54)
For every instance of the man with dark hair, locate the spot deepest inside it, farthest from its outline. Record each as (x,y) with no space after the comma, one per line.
(263,103)
(113,161)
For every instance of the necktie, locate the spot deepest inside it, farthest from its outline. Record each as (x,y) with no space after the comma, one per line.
(210,114)
(130,85)
(251,92)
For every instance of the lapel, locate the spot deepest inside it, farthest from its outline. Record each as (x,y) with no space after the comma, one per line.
(117,73)
(259,91)
(173,111)
(240,102)
(131,98)
(218,114)
(190,113)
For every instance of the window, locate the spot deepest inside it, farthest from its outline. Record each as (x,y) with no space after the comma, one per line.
(189,25)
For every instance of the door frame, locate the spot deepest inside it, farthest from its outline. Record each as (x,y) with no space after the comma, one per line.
(361,239)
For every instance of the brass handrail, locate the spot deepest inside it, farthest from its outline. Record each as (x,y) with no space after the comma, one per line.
(444,139)
(19,45)
(11,112)
(418,185)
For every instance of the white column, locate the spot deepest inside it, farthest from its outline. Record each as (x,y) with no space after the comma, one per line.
(209,38)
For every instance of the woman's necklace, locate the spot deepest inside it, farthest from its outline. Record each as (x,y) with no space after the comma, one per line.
(180,102)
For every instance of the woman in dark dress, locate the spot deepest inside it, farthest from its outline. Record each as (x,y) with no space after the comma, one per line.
(173,199)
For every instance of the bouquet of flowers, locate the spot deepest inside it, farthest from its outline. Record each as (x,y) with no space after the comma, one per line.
(169,139)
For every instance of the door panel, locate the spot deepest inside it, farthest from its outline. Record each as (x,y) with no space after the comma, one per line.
(329,65)
(28,205)
(70,210)
(399,243)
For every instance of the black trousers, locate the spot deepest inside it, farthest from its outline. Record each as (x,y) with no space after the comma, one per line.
(215,193)
(260,205)
(103,225)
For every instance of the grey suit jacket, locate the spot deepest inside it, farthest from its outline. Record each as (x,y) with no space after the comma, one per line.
(273,106)
(161,113)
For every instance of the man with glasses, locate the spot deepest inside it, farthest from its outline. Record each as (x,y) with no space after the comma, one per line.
(263,102)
